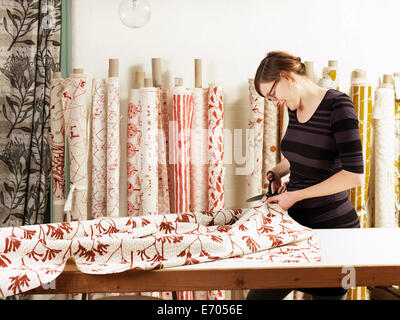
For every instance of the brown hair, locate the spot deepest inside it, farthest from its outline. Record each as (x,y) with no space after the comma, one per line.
(273,64)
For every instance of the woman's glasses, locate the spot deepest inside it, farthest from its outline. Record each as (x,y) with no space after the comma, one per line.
(271,95)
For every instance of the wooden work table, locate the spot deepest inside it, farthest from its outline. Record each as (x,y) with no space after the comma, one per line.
(373,253)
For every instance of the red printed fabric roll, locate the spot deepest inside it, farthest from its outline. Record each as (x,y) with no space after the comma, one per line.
(256,124)
(182,119)
(57,139)
(99,148)
(133,153)
(216,148)
(113,147)
(149,151)
(199,152)
(163,158)
(75,115)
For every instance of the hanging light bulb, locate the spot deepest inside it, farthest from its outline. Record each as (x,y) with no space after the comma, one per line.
(134,13)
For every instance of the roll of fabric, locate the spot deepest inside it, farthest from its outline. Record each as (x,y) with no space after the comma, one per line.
(332,73)
(133,153)
(57,140)
(397,148)
(163,147)
(271,142)
(326,80)
(113,146)
(216,148)
(182,112)
(199,152)
(256,124)
(99,148)
(361,95)
(76,115)
(149,151)
(384,139)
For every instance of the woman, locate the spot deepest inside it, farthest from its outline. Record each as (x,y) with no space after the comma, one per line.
(322,153)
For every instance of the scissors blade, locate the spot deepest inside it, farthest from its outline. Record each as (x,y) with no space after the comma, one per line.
(256,198)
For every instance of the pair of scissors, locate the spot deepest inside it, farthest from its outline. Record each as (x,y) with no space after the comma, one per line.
(269,194)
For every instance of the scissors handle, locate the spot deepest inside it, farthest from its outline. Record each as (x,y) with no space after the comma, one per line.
(270,194)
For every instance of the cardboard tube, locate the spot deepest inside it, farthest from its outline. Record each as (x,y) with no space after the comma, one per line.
(332,63)
(113,68)
(140,79)
(198,73)
(156,68)
(56,75)
(359,75)
(78,71)
(387,78)
(148,82)
(310,70)
(178,82)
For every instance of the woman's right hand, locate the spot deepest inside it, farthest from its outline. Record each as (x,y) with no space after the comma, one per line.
(277,183)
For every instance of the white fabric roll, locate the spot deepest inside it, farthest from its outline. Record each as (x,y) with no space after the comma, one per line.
(113,146)
(149,151)
(384,139)
(99,148)
(133,153)
(256,123)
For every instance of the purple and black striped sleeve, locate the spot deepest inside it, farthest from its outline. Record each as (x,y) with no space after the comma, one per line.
(345,127)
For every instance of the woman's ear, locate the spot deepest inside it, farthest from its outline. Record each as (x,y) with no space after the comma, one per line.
(288,76)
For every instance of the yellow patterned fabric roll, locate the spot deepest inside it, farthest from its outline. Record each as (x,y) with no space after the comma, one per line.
(361,94)
(397,160)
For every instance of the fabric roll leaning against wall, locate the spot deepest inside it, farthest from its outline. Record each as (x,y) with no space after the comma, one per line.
(99,149)
(113,146)
(256,126)
(361,95)
(216,173)
(133,153)
(75,115)
(271,142)
(384,139)
(149,151)
(163,147)
(182,112)
(397,147)
(57,140)
(199,152)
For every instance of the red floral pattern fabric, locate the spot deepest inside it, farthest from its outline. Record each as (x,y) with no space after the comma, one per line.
(34,255)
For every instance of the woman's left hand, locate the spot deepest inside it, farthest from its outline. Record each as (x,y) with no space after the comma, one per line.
(285,200)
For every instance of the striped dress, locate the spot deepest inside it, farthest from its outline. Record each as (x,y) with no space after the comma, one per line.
(317,149)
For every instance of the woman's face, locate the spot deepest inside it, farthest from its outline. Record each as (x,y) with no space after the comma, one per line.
(284,91)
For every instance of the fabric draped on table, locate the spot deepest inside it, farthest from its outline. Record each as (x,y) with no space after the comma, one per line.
(33,255)
(57,141)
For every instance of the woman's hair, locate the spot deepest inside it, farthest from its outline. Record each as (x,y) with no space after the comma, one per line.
(273,64)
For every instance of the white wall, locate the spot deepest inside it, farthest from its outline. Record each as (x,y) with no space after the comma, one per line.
(232,36)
